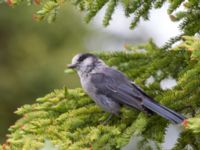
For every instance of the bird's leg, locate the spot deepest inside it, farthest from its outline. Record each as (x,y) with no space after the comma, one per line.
(108,119)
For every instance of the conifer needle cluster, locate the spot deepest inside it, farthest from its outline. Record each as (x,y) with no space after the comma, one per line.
(69,119)
(188,14)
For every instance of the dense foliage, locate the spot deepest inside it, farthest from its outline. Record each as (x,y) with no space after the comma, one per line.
(188,13)
(70,119)
(33,56)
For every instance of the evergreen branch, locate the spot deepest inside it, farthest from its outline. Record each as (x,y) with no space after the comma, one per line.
(110,9)
(174,5)
(96,6)
(171,42)
(159,3)
(70,119)
(189,18)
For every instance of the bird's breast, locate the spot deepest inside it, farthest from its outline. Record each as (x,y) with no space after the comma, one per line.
(88,86)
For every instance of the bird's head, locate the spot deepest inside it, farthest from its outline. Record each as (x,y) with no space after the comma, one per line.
(84,62)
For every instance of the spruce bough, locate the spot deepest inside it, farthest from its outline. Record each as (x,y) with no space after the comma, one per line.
(70,119)
(138,9)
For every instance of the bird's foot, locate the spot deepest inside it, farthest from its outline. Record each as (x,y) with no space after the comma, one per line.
(108,119)
(105,122)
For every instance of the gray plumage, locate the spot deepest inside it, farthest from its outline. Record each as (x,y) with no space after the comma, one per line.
(110,88)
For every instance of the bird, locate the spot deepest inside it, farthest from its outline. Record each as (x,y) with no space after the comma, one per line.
(110,89)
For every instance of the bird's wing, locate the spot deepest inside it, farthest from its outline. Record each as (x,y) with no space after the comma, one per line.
(116,86)
(139,89)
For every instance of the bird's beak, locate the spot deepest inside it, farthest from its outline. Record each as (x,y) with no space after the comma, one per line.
(71,66)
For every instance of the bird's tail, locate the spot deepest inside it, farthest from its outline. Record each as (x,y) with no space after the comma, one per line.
(163,111)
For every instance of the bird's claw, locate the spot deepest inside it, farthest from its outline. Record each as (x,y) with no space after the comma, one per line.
(105,122)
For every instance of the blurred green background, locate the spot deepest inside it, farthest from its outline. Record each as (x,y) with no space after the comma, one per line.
(33,57)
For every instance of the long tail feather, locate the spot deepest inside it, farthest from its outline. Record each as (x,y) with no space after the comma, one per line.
(163,111)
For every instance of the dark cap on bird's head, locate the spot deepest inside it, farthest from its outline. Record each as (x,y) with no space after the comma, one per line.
(79,58)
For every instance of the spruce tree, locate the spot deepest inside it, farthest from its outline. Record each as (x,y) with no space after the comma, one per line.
(70,120)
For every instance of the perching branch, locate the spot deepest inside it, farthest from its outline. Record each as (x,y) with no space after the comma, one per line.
(70,120)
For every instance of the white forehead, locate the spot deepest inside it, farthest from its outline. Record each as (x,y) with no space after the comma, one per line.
(86,61)
(75,58)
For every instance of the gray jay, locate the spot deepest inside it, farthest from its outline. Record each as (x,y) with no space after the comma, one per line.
(110,89)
